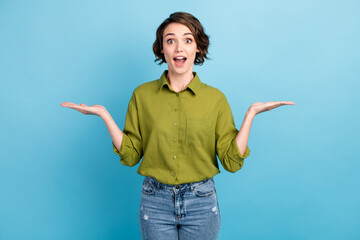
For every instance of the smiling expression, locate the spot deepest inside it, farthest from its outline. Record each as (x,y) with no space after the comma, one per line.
(179,48)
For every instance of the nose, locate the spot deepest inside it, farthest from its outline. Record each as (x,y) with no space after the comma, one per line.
(179,47)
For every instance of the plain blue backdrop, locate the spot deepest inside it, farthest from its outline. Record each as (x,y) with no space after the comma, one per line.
(59,176)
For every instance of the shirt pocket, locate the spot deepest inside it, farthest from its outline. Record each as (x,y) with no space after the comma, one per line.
(198,132)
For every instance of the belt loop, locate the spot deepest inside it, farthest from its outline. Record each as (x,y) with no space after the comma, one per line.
(157,183)
(154,182)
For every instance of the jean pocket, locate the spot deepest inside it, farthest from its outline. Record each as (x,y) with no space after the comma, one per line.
(198,132)
(206,189)
(148,188)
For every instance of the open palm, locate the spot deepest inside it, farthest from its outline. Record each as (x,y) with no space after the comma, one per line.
(83,108)
(260,107)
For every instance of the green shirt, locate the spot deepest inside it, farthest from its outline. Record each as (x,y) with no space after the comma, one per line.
(179,134)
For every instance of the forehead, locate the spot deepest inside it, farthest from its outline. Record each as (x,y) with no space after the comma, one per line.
(176,29)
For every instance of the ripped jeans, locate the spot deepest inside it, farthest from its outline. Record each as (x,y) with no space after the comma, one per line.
(185,211)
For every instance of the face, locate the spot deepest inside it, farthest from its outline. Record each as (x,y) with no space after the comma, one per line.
(179,48)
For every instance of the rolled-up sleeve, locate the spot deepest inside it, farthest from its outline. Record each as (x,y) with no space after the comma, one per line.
(226,148)
(131,150)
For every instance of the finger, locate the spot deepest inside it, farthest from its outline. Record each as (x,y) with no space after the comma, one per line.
(279,103)
(287,103)
(65,104)
(69,104)
(282,103)
(76,107)
(271,105)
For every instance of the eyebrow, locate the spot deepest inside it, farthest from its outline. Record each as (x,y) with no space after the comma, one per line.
(174,34)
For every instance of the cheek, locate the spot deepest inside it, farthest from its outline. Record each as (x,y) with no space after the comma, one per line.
(166,51)
(193,53)
(166,55)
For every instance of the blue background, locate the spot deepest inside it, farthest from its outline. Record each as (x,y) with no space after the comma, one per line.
(59,177)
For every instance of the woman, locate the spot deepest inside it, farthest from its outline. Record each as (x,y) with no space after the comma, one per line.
(177,125)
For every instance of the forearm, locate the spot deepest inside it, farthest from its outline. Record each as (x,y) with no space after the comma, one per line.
(243,135)
(115,133)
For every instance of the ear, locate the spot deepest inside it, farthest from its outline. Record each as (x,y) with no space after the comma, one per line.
(197,50)
(162,50)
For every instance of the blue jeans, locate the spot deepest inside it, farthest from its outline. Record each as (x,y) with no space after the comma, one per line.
(185,211)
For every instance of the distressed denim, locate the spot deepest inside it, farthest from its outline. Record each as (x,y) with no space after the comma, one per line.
(185,211)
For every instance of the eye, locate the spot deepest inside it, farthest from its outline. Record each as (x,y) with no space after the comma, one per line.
(170,41)
(188,40)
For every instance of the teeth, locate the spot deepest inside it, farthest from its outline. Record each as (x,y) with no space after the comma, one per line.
(180,58)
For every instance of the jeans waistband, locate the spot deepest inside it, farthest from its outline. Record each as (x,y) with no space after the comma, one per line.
(190,186)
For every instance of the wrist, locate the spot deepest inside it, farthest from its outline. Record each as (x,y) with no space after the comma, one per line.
(104,114)
(250,113)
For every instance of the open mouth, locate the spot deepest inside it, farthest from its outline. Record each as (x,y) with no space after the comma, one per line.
(180,61)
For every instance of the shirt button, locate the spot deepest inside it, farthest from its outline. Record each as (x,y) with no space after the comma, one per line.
(175,124)
(175,109)
(173,173)
(177,94)
(174,140)
(174,157)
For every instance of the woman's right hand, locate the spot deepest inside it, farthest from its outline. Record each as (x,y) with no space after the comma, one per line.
(83,108)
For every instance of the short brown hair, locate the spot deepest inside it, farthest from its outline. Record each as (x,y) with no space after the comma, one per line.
(201,39)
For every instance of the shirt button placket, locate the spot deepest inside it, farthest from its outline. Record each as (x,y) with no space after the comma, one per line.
(176,130)
(177,114)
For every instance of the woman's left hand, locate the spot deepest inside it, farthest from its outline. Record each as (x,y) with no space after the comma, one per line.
(260,107)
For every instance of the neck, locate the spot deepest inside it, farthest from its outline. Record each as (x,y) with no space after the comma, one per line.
(179,82)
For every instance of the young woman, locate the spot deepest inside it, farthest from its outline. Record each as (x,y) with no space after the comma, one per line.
(177,125)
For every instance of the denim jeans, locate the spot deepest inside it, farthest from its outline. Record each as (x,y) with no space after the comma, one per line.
(185,211)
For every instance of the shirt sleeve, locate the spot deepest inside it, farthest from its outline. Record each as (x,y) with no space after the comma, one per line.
(131,149)
(226,147)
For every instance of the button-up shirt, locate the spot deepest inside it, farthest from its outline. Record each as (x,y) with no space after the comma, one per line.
(179,134)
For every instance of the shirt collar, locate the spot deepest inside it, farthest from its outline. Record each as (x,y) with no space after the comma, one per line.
(194,85)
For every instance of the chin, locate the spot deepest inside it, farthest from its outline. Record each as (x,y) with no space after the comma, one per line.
(181,70)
